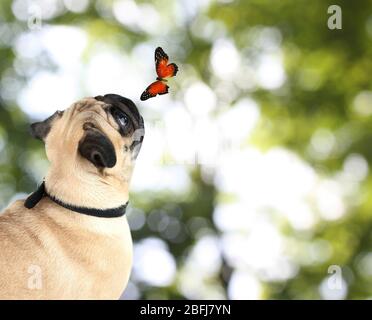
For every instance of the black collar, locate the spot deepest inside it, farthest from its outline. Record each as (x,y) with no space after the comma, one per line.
(36,196)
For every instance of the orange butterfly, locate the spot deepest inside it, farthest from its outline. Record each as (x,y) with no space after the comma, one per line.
(164,71)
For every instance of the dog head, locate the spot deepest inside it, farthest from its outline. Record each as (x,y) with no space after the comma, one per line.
(100,135)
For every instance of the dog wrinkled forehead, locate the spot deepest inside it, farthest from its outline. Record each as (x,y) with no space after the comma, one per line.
(125,105)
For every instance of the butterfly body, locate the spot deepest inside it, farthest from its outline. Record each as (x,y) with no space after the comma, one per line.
(163,71)
(161,79)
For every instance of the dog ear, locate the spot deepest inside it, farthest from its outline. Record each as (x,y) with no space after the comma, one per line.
(98,149)
(40,130)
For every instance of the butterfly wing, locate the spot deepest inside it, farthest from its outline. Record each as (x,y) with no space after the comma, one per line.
(155,88)
(163,69)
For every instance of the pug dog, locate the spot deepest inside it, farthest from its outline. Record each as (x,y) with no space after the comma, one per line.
(70,239)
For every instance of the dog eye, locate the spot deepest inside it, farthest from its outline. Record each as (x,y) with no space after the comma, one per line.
(121,118)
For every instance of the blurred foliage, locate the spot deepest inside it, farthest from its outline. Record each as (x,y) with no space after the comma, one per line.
(338,60)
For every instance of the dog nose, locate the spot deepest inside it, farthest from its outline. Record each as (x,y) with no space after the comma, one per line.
(98,149)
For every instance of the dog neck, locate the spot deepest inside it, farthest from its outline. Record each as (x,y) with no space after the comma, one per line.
(87,190)
(40,193)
